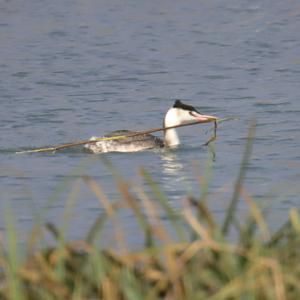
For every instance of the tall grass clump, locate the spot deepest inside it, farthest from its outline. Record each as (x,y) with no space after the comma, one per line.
(191,256)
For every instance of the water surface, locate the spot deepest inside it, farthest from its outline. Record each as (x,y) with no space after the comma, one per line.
(73,69)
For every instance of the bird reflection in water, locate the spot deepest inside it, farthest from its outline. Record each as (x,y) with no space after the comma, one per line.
(174,176)
(171,163)
(175,168)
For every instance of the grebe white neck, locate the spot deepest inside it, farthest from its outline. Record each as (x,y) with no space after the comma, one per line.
(171,136)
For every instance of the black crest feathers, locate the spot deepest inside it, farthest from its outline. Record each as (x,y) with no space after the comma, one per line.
(179,104)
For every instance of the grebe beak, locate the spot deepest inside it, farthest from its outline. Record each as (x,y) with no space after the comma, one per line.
(203,118)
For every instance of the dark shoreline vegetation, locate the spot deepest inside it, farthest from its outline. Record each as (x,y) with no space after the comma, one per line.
(198,260)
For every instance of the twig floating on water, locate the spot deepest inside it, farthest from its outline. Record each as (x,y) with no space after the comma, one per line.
(118,137)
(214,136)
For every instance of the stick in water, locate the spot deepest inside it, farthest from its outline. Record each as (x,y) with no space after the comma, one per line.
(118,137)
(214,136)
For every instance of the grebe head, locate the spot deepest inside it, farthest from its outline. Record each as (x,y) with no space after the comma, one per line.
(180,114)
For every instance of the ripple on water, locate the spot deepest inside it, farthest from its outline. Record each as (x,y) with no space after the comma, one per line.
(57,84)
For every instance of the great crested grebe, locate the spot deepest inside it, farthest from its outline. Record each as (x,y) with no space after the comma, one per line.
(179,114)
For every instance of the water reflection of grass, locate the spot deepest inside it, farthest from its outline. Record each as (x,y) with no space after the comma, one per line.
(193,258)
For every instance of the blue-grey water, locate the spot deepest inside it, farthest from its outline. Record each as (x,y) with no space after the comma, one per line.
(73,69)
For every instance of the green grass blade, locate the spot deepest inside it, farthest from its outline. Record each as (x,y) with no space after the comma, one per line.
(13,255)
(229,218)
(175,218)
